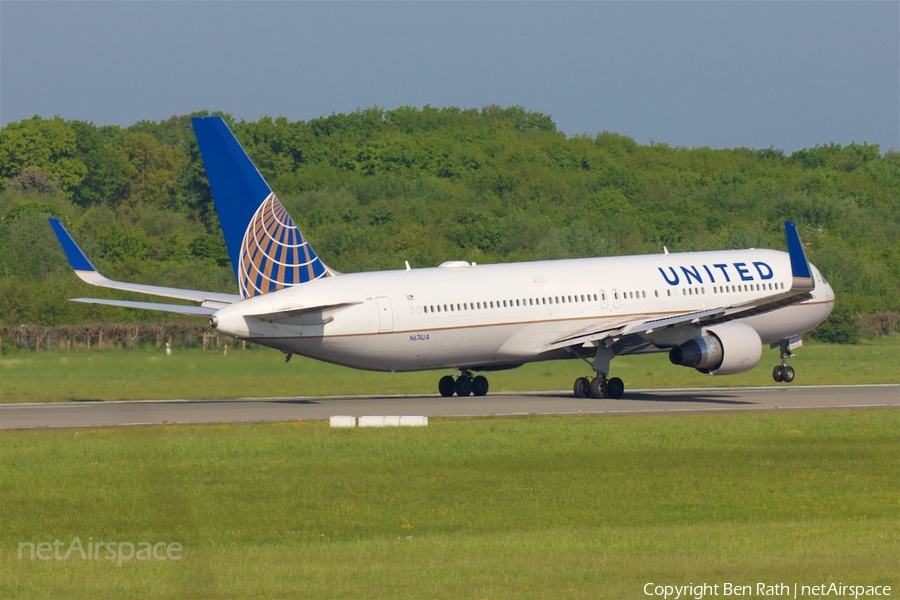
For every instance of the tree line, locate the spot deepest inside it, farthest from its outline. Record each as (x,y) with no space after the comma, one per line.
(101,336)
(375,187)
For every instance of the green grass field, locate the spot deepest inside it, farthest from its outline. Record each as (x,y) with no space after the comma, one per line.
(529,507)
(147,373)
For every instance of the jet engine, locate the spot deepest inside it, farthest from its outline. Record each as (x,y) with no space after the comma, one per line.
(720,350)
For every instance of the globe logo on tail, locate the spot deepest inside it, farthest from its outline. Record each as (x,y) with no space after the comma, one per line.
(274,254)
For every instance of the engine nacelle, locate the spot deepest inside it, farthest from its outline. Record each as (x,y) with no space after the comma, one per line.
(721,350)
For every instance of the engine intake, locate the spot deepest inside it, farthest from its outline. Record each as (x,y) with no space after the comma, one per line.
(720,350)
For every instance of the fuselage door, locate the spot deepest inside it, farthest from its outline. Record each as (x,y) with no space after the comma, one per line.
(616,302)
(385,314)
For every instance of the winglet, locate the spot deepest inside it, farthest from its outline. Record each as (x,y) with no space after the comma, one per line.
(800,270)
(76,257)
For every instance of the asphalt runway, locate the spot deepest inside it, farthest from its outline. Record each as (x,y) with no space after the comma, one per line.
(153,412)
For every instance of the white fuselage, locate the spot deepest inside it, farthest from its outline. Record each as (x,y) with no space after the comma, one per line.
(464,315)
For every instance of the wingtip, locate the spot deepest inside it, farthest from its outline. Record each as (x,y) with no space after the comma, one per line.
(76,257)
(799,264)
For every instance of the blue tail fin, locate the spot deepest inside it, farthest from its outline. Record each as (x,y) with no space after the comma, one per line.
(266,248)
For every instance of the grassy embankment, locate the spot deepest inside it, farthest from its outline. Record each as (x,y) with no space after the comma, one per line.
(148,373)
(530,507)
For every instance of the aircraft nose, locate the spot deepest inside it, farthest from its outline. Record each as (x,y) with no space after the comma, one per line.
(827,290)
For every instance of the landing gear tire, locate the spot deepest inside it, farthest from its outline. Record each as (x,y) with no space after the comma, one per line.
(615,388)
(783,373)
(463,385)
(480,386)
(598,387)
(778,373)
(446,386)
(788,375)
(582,388)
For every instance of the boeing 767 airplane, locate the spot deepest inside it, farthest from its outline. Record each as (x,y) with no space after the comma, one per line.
(711,311)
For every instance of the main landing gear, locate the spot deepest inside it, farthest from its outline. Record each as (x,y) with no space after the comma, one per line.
(599,387)
(463,385)
(784,372)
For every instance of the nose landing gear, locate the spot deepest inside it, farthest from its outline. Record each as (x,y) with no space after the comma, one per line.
(784,372)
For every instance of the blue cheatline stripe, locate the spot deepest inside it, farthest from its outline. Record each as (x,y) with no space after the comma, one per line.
(76,257)
(799,264)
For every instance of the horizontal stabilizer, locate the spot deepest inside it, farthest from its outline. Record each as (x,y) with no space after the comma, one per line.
(287,315)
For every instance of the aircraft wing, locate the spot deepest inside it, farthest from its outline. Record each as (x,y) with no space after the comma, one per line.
(209,301)
(617,328)
(802,285)
(181,309)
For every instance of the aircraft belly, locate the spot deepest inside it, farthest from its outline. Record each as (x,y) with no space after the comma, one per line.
(523,344)
(469,346)
(413,351)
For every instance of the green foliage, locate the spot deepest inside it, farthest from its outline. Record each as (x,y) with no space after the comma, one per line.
(48,144)
(144,372)
(577,507)
(841,327)
(33,180)
(375,187)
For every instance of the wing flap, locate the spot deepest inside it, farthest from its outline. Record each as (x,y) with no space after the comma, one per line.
(181,309)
